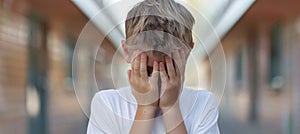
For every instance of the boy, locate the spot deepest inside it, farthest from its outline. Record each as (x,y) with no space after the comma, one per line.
(158,43)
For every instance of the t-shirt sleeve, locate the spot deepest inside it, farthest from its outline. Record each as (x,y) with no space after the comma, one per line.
(93,129)
(102,119)
(207,120)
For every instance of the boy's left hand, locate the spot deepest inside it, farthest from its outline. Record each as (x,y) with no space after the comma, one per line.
(172,82)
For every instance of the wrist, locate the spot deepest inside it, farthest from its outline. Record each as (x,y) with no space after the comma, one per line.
(145,112)
(147,107)
(173,108)
(173,120)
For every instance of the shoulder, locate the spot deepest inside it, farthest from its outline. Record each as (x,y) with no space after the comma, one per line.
(112,96)
(205,112)
(103,96)
(202,95)
(106,93)
(112,93)
(203,99)
(102,116)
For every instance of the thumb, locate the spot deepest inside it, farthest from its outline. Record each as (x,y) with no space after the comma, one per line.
(155,74)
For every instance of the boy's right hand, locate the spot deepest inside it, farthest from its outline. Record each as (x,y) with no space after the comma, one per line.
(145,89)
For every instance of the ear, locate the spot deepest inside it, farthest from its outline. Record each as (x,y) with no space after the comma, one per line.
(125,50)
(193,45)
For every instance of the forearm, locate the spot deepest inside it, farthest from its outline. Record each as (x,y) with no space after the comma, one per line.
(173,121)
(143,121)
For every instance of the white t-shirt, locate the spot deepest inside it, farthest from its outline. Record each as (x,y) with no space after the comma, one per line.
(113,112)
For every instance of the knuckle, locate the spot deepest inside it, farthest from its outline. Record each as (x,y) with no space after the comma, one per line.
(143,70)
(133,82)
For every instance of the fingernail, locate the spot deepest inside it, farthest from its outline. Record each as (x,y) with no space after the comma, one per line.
(143,55)
(161,64)
(135,53)
(167,57)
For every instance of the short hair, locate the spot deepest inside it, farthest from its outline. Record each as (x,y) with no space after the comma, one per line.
(162,17)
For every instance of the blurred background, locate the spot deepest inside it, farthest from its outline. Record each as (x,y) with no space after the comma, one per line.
(260,39)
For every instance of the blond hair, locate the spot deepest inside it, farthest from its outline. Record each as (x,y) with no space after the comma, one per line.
(163,18)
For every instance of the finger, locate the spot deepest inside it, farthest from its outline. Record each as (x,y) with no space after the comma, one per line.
(164,78)
(170,67)
(163,74)
(178,61)
(143,66)
(155,66)
(154,83)
(182,55)
(178,71)
(136,65)
(133,55)
(133,60)
(155,73)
